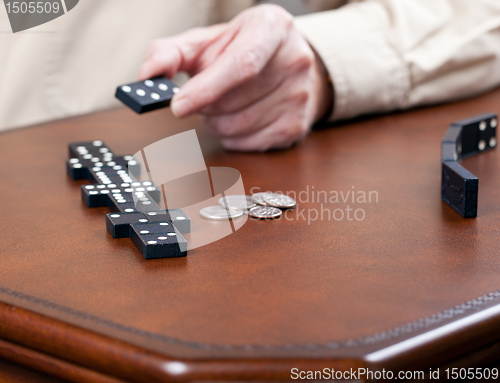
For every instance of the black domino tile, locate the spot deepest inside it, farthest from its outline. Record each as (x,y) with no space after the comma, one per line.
(148,95)
(94,197)
(459,189)
(129,163)
(95,148)
(449,152)
(118,224)
(453,134)
(451,145)
(78,169)
(179,218)
(477,133)
(158,241)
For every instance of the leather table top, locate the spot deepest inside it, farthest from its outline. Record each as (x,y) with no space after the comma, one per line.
(387,290)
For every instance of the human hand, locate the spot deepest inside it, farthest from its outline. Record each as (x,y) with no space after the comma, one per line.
(255,81)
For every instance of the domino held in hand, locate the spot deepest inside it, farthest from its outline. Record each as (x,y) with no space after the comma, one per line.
(148,95)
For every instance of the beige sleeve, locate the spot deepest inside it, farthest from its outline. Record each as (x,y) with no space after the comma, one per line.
(384,55)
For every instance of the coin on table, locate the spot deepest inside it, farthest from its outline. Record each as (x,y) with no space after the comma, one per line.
(219,213)
(239,202)
(258,198)
(281,201)
(264,212)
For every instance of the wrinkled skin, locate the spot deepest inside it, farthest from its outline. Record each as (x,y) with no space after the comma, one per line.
(255,81)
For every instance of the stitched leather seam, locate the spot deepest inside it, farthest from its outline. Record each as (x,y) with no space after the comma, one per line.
(407,328)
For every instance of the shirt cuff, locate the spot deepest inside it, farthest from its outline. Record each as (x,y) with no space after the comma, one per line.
(367,71)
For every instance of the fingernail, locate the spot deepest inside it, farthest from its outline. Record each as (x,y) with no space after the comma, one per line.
(181,107)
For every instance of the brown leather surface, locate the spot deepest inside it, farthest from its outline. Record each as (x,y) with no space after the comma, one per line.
(275,289)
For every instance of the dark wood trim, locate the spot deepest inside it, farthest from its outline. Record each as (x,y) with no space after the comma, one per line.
(50,365)
(75,350)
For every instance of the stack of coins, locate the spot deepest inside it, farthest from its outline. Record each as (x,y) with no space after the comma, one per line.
(260,205)
(271,205)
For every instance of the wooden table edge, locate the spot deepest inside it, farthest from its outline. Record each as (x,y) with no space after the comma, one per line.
(36,338)
(70,352)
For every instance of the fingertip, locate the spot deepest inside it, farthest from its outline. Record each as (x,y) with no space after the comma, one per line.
(181,107)
(157,64)
(148,70)
(227,144)
(235,144)
(144,71)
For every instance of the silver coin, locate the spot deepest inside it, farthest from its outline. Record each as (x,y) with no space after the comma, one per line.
(219,213)
(240,202)
(281,201)
(258,198)
(264,212)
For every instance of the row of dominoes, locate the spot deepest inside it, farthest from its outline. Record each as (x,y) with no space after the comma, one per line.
(459,187)
(135,213)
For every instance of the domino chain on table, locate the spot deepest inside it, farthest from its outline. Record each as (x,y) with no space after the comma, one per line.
(157,233)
